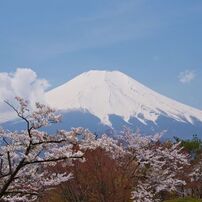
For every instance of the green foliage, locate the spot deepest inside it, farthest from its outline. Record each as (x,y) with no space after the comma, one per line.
(193,146)
(184,200)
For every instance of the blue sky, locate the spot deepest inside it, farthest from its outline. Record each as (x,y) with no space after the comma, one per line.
(156,42)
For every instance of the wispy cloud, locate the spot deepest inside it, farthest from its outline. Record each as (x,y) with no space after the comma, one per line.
(24,83)
(186,76)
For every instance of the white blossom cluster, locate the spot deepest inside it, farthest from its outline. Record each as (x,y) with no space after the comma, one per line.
(158,166)
(196,174)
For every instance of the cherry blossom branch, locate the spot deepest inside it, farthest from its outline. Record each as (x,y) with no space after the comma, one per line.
(21,192)
(21,116)
(53,160)
(9,162)
(22,155)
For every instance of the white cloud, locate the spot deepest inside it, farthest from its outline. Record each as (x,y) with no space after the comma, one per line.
(24,83)
(186,76)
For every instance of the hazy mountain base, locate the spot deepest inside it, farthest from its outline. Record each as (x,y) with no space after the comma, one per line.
(75,119)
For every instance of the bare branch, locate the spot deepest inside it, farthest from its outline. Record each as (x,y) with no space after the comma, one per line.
(9,162)
(22,117)
(50,142)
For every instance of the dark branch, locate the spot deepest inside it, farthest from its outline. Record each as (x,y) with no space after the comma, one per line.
(5,141)
(53,160)
(49,142)
(21,116)
(9,162)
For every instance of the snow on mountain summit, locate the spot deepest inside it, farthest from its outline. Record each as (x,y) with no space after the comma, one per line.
(103,93)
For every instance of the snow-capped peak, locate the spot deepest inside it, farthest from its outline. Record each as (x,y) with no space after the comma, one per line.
(112,92)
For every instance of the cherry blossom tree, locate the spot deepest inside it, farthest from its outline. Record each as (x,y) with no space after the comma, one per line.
(158,165)
(194,178)
(25,155)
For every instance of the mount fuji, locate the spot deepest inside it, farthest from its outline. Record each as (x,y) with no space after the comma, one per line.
(109,100)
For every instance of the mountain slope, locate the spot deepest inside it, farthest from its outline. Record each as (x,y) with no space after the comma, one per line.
(104,93)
